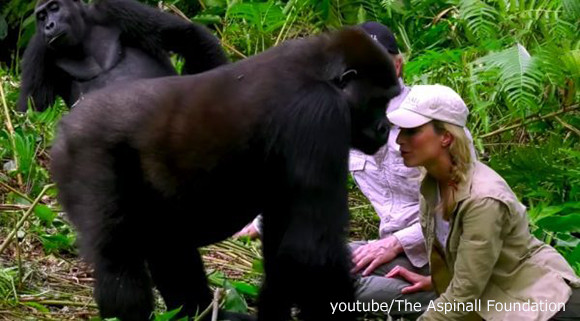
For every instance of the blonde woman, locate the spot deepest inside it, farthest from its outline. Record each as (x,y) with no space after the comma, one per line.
(484,261)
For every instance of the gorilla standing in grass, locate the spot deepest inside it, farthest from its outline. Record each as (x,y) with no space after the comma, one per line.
(151,171)
(79,48)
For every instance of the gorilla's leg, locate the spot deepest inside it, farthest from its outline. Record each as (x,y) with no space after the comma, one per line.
(177,271)
(275,300)
(307,267)
(332,281)
(123,287)
(103,200)
(275,296)
(113,242)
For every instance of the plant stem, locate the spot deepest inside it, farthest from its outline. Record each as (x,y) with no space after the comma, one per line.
(15,191)
(531,119)
(11,132)
(216,304)
(10,236)
(64,303)
(570,127)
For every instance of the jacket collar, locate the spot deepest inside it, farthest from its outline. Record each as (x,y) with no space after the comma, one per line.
(429,188)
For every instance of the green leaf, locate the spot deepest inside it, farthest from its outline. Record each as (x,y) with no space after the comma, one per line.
(519,77)
(479,18)
(566,223)
(25,151)
(207,19)
(574,257)
(44,213)
(233,300)
(571,9)
(167,316)
(214,3)
(216,278)
(246,288)
(37,306)
(258,266)
(362,14)
(57,242)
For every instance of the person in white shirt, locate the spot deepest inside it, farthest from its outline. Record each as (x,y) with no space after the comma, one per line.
(393,190)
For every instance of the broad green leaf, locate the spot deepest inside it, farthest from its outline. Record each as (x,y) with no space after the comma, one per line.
(246,288)
(258,266)
(565,223)
(233,300)
(44,213)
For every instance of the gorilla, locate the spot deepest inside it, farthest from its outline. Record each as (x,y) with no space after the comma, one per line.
(78,48)
(150,171)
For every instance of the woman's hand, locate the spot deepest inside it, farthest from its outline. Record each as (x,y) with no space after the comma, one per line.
(420,282)
(375,254)
(249,231)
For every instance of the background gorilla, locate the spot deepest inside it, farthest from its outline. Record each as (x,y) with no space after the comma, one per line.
(79,48)
(269,134)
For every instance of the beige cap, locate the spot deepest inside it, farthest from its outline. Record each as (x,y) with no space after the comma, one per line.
(428,102)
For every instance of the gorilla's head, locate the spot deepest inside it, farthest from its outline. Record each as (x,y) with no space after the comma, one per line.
(62,22)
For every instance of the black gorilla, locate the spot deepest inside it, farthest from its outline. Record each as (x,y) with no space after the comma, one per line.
(78,48)
(151,171)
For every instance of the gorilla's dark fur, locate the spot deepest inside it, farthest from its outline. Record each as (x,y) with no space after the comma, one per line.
(79,48)
(151,171)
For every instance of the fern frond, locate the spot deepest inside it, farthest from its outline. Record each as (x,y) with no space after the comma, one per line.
(519,78)
(266,17)
(571,9)
(480,18)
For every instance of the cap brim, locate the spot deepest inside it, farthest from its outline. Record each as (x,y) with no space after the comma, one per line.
(405,118)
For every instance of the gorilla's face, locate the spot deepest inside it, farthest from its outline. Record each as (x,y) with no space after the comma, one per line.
(368,82)
(369,124)
(61,22)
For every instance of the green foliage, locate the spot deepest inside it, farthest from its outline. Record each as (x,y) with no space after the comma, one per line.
(3,27)
(234,301)
(510,60)
(7,283)
(519,79)
(168,316)
(479,19)
(547,179)
(219,279)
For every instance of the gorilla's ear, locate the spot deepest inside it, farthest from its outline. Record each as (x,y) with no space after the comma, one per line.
(363,55)
(345,78)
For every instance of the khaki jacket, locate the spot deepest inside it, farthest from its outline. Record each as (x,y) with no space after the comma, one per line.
(491,255)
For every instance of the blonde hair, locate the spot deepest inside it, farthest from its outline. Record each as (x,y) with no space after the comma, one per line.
(460,149)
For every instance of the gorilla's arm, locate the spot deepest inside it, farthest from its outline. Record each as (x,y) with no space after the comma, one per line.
(156,31)
(40,82)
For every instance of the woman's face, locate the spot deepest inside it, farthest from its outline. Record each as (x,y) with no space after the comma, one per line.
(422,146)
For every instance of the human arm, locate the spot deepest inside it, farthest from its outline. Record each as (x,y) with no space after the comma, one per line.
(478,251)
